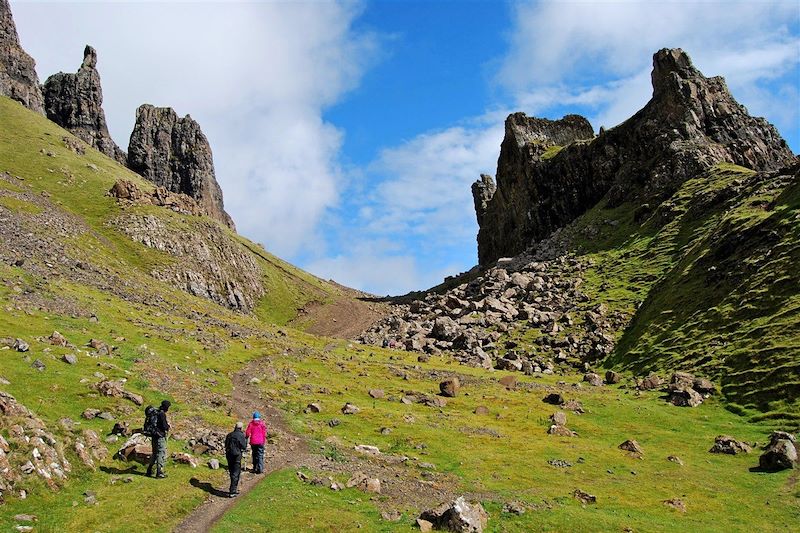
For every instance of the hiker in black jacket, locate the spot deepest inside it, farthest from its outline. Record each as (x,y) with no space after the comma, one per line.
(159,442)
(235,445)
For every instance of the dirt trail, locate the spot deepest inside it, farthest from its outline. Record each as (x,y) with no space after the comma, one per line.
(288,450)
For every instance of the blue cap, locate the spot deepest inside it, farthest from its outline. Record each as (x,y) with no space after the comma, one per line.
(256,415)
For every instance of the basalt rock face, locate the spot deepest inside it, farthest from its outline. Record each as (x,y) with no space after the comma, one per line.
(18,79)
(173,153)
(75,102)
(690,124)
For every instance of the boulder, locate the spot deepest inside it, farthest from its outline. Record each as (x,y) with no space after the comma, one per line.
(780,454)
(632,446)
(450,387)
(376,393)
(651,382)
(509,382)
(593,379)
(685,397)
(559,417)
(612,377)
(137,448)
(561,431)
(184,459)
(313,408)
(553,399)
(729,445)
(350,409)
(457,516)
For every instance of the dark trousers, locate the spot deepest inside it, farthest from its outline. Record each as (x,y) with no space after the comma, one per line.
(258,458)
(158,456)
(234,470)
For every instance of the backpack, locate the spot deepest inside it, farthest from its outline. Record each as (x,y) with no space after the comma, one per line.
(150,428)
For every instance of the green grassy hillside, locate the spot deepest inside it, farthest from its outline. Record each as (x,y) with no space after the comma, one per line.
(710,277)
(64,266)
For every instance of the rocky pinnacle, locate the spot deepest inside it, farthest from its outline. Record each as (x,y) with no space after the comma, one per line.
(174,153)
(75,102)
(690,124)
(18,79)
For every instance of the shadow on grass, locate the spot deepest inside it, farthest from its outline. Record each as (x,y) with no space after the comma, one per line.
(131,470)
(207,487)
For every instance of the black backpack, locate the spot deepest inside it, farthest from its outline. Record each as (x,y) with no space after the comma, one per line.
(150,427)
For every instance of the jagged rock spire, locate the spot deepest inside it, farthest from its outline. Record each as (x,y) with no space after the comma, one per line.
(690,124)
(18,79)
(174,153)
(75,102)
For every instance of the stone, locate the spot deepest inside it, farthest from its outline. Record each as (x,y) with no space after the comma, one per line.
(25,518)
(137,448)
(450,387)
(19,344)
(728,445)
(75,102)
(57,339)
(612,377)
(90,413)
(18,79)
(424,526)
(174,153)
(184,459)
(553,399)
(313,408)
(38,365)
(675,459)
(593,379)
(364,483)
(367,449)
(457,516)
(780,454)
(651,382)
(70,359)
(350,409)
(122,429)
(559,417)
(515,507)
(481,410)
(685,397)
(584,497)
(333,422)
(676,503)
(573,405)
(561,431)
(509,382)
(703,386)
(391,516)
(376,393)
(632,446)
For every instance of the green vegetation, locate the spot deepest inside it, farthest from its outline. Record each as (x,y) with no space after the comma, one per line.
(655,264)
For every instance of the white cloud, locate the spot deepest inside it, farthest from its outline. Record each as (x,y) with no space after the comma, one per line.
(255,75)
(600,52)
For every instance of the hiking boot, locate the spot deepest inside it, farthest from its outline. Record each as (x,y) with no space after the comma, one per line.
(161,475)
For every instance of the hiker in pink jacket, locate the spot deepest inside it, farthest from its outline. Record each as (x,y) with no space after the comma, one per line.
(257,433)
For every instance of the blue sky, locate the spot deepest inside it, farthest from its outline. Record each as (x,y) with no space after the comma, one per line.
(346,134)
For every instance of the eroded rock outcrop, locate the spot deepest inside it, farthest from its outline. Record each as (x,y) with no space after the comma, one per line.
(690,124)
(75,102)
(209,264)
(174,153)
(18,79)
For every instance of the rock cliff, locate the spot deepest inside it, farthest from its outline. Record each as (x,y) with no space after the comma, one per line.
(174,153)
(690,124)
(75,102)
(18,79)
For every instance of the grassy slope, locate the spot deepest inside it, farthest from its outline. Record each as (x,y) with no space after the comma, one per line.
(159,342)
(720,492)
(166,342)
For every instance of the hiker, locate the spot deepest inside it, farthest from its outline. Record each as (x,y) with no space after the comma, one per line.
(257,433)
(235,445)
(157,427)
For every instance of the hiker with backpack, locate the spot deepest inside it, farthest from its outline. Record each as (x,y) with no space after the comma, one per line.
(156,427)
(257,433)
(235,445)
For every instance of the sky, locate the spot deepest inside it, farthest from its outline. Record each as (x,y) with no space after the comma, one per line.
(346,135)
